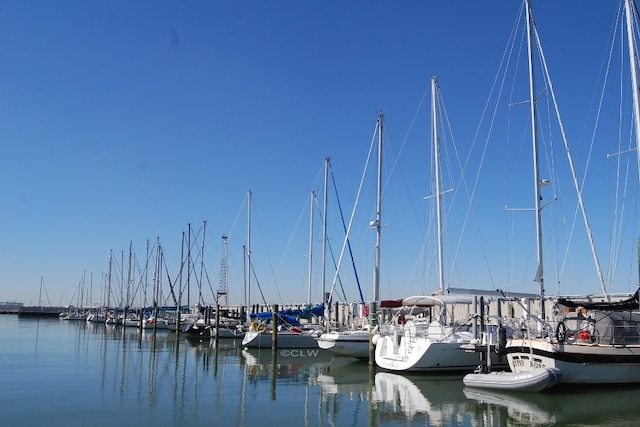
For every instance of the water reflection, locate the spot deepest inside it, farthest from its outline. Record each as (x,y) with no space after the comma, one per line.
(123,374)
(345,375)
(286,365)
(562,406)
(436,400)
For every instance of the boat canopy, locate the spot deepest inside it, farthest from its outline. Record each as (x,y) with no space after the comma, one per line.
(632,303)
(433,300)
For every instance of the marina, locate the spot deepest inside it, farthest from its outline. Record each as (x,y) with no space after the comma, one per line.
(105,375)
(428,326)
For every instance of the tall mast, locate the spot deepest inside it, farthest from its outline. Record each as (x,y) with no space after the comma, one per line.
(127,302)
(536,167)
(189,265)
(109,279)
(248,256)
(204,233)
(633,64)
(436,157)
(84,284)
(313,197)
(324,228)
(157,276)
(180,287)
(121,304)
(146,278)
(377,223)
(40,297)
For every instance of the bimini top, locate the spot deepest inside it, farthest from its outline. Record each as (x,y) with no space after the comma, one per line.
(632,303)
(432,300)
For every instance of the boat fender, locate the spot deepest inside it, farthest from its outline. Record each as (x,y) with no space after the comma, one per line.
(502,340)
(295,330)
(561,332)
(374,339)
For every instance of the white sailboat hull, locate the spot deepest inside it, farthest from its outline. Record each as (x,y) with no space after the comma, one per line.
(425,355)
(286,339)
(346,343)
(422,352)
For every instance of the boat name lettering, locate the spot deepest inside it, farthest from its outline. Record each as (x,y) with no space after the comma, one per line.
(535,364)
(518,362)
(299,353)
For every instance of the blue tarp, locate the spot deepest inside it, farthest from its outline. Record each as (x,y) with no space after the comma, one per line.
(290,315)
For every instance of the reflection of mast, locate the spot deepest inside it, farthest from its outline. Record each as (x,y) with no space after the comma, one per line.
(224,275)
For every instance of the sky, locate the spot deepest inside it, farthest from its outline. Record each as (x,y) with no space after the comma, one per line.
(124,125)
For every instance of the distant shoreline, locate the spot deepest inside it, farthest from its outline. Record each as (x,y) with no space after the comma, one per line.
(10,307)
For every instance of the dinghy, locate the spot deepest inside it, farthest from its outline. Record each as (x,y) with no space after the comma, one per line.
(536,380)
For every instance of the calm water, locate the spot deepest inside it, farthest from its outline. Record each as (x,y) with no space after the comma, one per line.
(57,373)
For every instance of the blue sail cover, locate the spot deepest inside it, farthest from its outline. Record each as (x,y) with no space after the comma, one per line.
(290,315)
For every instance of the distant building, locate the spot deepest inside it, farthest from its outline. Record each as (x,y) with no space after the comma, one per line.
(10,307)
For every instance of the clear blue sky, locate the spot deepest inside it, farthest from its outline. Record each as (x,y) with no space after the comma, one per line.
(126,121)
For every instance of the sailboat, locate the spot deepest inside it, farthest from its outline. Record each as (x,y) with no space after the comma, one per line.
(77,313)
(289,331)
(355,342)
(426,344)
(589,342)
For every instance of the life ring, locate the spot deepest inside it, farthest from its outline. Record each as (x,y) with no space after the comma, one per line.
(401,319)
(295,330)
(561,332)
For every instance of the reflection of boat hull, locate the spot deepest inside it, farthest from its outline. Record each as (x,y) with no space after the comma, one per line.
(523,408)
(536,380)
(420,399)
(559,406)
(286,339)
(345,375)
(254,356)
(393,388)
